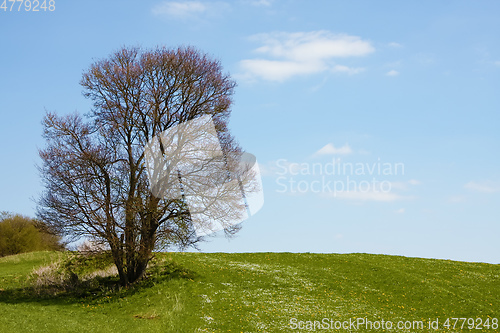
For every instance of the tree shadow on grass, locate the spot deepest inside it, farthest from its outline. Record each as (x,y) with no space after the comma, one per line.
(97,289)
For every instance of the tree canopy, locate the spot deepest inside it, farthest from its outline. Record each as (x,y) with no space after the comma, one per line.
(95,170)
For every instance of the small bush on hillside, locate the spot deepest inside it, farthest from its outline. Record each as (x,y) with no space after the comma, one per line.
(19,234)
(83,275)
(76,273)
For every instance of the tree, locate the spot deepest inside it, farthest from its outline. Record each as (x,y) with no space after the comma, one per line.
(19,234)
(95,170)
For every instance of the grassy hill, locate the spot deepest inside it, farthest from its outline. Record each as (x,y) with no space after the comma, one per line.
(261,292)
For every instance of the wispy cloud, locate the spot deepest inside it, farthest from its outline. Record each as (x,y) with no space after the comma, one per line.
(260,3)
(400,211)
(372,195)
(181,9)
(348,70)
(289,54)
(330,149)
(276,70)
(188,9)
(395,45)
(392,72)
(374,192)
(484,187)
(404,185)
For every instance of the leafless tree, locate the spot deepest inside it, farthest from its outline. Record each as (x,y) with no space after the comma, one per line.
(94,168)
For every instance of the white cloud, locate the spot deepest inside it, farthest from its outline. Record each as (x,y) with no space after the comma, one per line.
(372,195)
(316,45)
(395,45)
(274,70)
(189,9)
(266,169)
(497,63)
(330,149)
(400,211)
(180,9)
(414,182)
(261,3)
(348,70)
(404,185)
(485,187)
(399,185)
(392,72)
(377,193)
(373,192)
(290,54)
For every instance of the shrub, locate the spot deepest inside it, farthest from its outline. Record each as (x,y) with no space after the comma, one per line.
(19,234)
(77,273)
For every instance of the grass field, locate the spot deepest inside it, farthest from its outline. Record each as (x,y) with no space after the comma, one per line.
(260,292)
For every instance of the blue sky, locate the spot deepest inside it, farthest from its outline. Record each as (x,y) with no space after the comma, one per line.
(353,84)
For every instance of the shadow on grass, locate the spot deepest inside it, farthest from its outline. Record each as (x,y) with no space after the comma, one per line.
(96,289)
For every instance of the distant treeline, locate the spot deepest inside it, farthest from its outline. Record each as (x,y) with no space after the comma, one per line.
(20,234)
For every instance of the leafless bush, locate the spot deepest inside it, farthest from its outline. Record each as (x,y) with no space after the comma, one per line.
(52,279)
(61,276)
(89,247)
(110,271)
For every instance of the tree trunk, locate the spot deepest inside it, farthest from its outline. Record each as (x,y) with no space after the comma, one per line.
(117,253)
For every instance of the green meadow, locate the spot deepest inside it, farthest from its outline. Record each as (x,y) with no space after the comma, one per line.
(254,292)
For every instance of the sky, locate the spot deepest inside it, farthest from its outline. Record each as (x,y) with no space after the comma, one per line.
(375,124)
